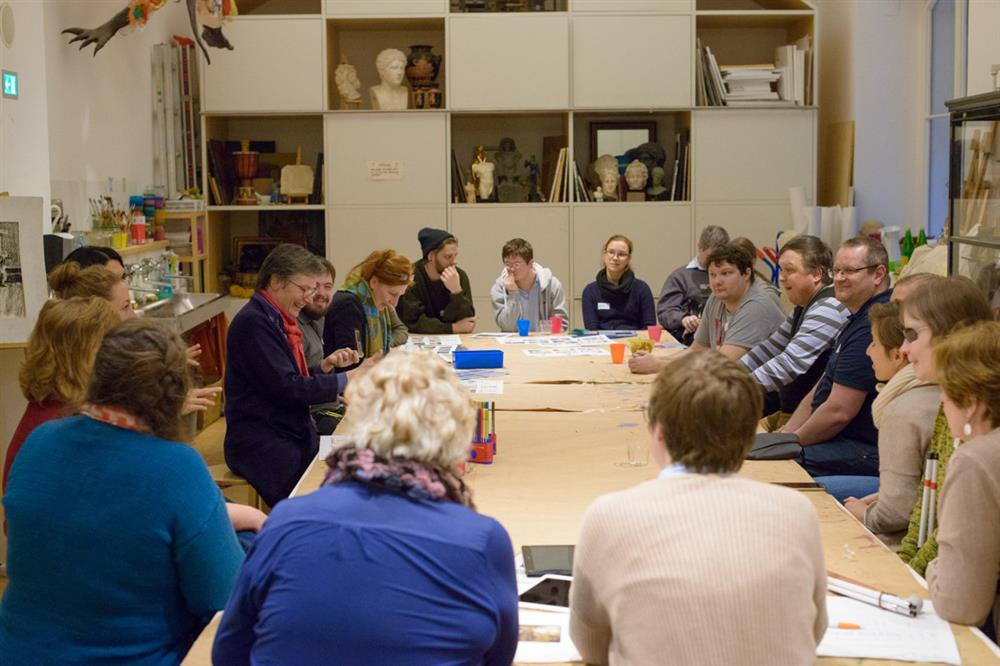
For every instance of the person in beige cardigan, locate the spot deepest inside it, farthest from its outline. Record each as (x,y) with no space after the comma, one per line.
(700,566)
(904,413)
(963,578)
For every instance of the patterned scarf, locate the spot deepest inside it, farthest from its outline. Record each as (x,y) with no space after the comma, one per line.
(292,332)
(379,326)
(410,478)
(115,416)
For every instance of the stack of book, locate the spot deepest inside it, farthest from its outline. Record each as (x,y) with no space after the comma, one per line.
(794,61)
(748,85)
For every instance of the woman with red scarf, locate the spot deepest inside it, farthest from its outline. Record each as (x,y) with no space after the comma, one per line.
(270,436)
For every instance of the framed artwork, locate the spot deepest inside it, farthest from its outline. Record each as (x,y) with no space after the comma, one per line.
(23,287)
(249,252)
(614,137)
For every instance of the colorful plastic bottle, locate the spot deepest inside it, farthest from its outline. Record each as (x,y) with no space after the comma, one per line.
(921,238)
(907,245)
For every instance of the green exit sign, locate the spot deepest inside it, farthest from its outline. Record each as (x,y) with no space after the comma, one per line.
(10,84)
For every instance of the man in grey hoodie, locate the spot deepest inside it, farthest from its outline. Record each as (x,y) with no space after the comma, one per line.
(526,290)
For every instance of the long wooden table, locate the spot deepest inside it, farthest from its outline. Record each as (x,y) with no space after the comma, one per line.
(562,445)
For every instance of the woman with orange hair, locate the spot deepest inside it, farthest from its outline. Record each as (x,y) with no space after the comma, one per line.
(58,362)
(364,312)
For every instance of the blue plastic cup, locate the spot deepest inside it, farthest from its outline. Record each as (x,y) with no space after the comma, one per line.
(523,327)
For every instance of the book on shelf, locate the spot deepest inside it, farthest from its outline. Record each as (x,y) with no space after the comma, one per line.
(715,77)
(583,194)
(557,179)
(213,186)
(795,61)
(457,180)
(551,146)
(222,166)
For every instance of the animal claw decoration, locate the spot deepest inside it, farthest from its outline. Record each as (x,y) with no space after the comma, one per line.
(210,13)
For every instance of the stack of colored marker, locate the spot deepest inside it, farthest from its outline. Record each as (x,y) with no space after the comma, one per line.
(484,438)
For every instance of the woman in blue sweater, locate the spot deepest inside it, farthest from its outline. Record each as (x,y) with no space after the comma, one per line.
(120,548)
(388,562)
(617,299)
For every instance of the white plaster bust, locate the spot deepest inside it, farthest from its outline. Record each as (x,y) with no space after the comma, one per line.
(390,94)
(484,173)
(606,168)
(348,84)
(636,175)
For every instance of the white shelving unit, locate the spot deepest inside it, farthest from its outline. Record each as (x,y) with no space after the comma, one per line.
(528,76)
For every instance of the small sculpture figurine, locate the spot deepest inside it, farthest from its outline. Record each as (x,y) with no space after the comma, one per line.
(606,168)
(478,157)
(508,171)
(636,176)
(348,84)
(649,153)
(534,182)
(598,195)
(390,94)
(484,174)
(656,191)
(470,193)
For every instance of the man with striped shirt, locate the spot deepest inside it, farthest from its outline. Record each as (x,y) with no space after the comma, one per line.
(790,362)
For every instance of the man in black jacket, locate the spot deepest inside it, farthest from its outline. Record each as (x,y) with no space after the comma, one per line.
(440,299)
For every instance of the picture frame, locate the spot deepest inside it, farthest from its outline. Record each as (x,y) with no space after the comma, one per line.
(619,133)
(23,286)
(249,252)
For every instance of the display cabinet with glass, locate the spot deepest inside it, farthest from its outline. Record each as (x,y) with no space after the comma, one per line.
(974,192)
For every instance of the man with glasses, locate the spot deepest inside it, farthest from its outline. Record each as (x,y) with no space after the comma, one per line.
(312,321)
(834,420)
(440,298)
(526,290)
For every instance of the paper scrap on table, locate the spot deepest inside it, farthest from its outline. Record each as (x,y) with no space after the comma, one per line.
(483,386)
(559,341)
(492,334)
(478,373)
(435,340)
(328,443)
(887,635)
(544,638)
(555,352)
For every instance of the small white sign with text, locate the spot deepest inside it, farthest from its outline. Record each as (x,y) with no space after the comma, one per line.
(385,170)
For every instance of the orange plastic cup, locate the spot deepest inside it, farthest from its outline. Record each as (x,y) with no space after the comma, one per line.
(617,352)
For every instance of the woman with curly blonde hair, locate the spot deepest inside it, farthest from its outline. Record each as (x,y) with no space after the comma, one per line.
(57,364)
(120,545)
(388,562)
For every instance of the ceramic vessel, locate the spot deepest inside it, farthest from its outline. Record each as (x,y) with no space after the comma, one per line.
(422,66)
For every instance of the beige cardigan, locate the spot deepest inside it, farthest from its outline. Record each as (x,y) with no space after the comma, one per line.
(699,569)
(907,425)
(963,578)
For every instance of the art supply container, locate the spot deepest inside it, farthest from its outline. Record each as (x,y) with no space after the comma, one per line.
(617,352)
(465,359)
(523,327)
(654,332)
(481,452)
(555,325)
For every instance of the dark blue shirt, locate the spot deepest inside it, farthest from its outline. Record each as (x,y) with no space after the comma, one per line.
(350,575)
(850,366)
(625,306)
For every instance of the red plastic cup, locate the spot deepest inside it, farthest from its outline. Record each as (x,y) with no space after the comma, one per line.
(617,352)
(555,324)
(654,332)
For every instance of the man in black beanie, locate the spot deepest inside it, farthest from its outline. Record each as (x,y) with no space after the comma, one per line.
(440,300)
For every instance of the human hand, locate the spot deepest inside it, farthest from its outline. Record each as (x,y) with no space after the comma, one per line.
(193,352)
(509,283)
(200,399)
(856,507)
(245,518)
(340,359)
(644,363)
(467,325)
(365,366)
(691,323)
(450,279)
(870,499)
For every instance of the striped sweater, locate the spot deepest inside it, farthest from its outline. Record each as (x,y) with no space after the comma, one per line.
(788,353)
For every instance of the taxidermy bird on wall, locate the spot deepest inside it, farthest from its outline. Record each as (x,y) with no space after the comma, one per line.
(210,13)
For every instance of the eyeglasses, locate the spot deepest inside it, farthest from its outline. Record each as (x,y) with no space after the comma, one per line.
(616,255)
(847,272)
(514,265)
(911,334)
(306,291)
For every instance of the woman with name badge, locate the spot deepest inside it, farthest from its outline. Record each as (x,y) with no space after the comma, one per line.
(617,299)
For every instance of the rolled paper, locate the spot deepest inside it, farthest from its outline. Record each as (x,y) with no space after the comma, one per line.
(829,227)
(890,238)
(848,223)
(812,221)
(797,202)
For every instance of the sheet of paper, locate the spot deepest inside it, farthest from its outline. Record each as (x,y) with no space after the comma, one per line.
(328,443)
(492,334)
(465,374)
(887,635)
(483,386)
(558,352)
(544,638)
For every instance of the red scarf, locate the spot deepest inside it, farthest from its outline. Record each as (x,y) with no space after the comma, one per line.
(292,332)
(115,416)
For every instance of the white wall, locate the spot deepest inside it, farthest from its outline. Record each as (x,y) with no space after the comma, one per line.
(983,44)
(24,148)
(100,108)
(871,59)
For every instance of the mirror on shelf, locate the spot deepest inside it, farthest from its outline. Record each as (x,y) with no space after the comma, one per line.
(614,138)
